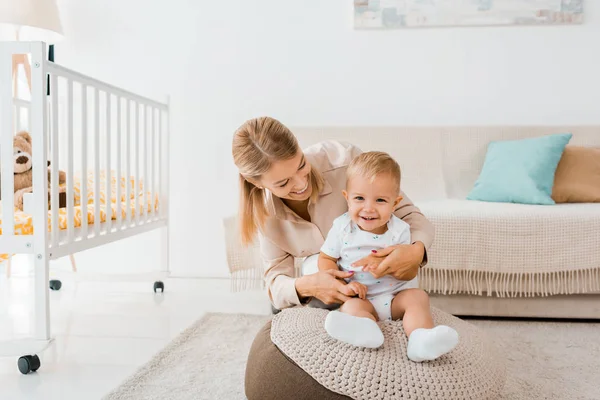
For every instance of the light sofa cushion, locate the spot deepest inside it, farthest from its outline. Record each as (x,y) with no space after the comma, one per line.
(577,178)
(520,171)
(475,369)
(464,149)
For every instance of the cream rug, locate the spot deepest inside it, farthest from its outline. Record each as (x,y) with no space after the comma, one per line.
(548,360)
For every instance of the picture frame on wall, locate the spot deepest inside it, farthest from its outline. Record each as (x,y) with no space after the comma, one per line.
(402,14)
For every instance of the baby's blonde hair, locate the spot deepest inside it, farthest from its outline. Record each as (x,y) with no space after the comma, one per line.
(373,163)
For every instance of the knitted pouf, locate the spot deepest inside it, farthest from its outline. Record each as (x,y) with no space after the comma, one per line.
(473,370)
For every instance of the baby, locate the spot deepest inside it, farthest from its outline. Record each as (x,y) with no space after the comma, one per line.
(373,192)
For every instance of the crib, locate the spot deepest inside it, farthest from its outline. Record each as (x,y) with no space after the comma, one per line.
(113,146)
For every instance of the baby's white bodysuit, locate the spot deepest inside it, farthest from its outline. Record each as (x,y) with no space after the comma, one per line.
(348,243)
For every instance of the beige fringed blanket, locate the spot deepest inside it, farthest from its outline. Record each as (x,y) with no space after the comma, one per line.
(244,263)
(513,249)
(487,248)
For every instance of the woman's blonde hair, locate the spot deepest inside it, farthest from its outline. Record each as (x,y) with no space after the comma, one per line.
(256,145)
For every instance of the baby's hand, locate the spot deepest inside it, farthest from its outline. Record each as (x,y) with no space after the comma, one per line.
(359,289)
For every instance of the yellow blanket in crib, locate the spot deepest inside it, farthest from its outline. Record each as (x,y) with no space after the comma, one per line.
(138,199)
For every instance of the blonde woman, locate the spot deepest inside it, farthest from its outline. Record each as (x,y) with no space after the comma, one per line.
(289,198)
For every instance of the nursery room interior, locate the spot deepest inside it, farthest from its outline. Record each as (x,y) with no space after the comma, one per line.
(351,199)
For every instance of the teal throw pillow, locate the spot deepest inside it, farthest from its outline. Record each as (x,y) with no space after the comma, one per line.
(520,171)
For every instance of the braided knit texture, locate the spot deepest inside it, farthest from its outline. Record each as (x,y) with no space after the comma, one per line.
(473,370)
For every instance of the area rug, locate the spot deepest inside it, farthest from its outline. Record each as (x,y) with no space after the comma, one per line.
(547,360)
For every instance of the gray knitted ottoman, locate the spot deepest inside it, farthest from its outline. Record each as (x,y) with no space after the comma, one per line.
(292,357)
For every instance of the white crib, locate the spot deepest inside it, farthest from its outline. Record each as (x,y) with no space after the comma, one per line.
(91,129)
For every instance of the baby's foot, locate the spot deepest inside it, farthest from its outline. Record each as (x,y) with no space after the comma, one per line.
(429,344)
(357,331)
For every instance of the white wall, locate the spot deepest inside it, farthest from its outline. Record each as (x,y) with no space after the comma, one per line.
(223,62)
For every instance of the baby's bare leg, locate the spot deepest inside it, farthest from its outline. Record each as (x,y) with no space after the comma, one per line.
(355,323)
(424,341)
(359,308)
(412,305)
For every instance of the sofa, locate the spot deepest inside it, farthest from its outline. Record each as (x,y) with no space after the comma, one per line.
(488,258)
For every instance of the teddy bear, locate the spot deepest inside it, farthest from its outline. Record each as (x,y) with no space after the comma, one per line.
(23,177)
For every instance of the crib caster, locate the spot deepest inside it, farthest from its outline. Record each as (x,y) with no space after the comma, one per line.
(159,285)
(55,284)
(28,364)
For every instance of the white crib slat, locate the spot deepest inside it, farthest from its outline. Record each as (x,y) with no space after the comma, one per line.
(167,197)
(18,125)
(96,162)
(137,164)
(23,111)
(165,165)
(6,144)
(152,166)
(108,205)
(164,187)
(70,202)
(128,162)
(159,164)
(84,161)
(145,179)
(119,175)
(149,162)
(54,163)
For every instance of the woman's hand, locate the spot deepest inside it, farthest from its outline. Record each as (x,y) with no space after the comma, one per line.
(326,286)
(401,261)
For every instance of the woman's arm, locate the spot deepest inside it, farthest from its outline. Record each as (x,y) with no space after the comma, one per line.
(421,229)
(279,274)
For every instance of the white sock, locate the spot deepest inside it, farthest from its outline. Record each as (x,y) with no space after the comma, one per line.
(429,344)
(357,331)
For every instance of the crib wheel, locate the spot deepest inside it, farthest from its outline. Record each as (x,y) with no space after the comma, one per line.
(55,284)
(28,364)
(159,285)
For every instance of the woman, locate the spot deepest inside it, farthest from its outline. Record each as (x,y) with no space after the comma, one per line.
(290,197)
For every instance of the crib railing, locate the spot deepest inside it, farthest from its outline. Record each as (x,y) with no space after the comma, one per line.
(124,136)
(88,129)
(83,127)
